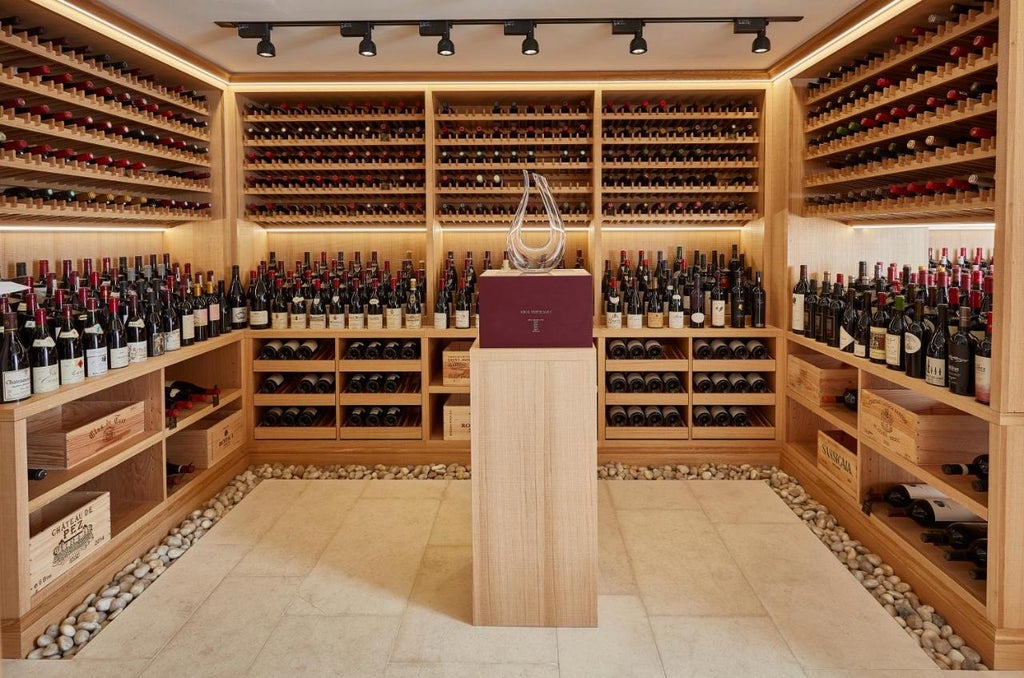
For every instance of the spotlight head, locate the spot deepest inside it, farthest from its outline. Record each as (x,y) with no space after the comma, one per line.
(366,47)
(761,44)
(445,46)
(530,44)
(638,45)
(265,48)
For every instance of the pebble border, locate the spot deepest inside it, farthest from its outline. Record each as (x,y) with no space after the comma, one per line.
(921,622)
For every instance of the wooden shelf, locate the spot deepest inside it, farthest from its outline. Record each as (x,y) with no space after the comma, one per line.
(710,115)
(78,98)
(680,140)
(944,34)
(409,428)
(679,364)
(697,333)
(517,141)
(680,399)
(947,74)
(411,398)
(962,112)
(436,386)
(317,166)
(59,483)
(200,409)
(962,403)
(908,167)
(731,365)
(736,218)
(838,416)
(469,166)
(556,188)
(21,167)
(953,573)
(335,192)
(347,365)
(676,190)
(53,212)
(505,219)
(978,207)
(32,46)
(295,432)
(733,398)
(957,488)
(646,432)
(336,117)
(33,125)
(318,141)
(297,399)
(705,164)
(338,220)
(302,366)
(513,117)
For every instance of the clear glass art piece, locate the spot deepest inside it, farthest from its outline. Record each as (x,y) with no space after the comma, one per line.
(545,257)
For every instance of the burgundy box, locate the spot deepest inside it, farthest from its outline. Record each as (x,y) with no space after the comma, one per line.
(536,310)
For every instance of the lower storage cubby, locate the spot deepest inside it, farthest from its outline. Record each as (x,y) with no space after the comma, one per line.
(294,422)
(651,420)
(732,421)
(381,422)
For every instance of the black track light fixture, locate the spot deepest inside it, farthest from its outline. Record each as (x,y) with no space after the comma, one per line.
(265,48)
(638,45)
(634,27)
(362,30)
(445,46)
(761,44)
(524,27)
(530,44)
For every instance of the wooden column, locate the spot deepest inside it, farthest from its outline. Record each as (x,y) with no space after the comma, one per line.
(534,456)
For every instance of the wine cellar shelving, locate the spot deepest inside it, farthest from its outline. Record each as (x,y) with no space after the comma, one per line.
(908,133)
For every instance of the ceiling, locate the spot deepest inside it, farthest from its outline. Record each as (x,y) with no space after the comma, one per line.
(400,49)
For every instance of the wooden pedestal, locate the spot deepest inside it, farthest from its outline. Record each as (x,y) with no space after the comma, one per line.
(534,457)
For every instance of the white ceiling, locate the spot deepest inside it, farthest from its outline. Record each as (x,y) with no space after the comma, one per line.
(480,48)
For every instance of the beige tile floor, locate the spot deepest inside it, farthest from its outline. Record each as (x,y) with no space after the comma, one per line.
(373,578)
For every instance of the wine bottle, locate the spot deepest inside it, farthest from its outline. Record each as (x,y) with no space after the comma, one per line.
(169,324)
(135,333)
(613,306)
(977,553)
(94,342)
(15,368)
(213,308)
(617,383)
(879,328)
(937,351)
(69,350)
(272,383)
(43,357)
(895,354)
(718,299)
(356,312)
(238,309)
(413,307)
(758,303)
(702,416)
(462,306)
(259,304)
(915,339)
(307,349)
(904,494)
(983,364)
(800,292)
(935,511)
(200,312)
(175,469)
(979,467)
(960,359)
(810,306)
(617,416)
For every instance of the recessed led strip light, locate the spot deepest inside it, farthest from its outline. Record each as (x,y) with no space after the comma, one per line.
(640,228)
(57,228)
(970,226)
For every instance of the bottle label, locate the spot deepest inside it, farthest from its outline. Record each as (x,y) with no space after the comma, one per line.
(68,334)
(982,379)
(214,312)
(136,351)
(393,317)
(461,319)
(17,384)
(136,323)
(318,322)
(239,315)
(656,319)
(336,321)
(72,370)
(634,321)
(845,339)
(45,379)
(297,320)
(613,321)
(119,357)
(355,321)
(876,351)
(860,350)
(440,321)
(48,342)
(414,321)
(893,349)
(202,317)
(798,312)
(188,326)
(96,361)
(697,319)
(375,321)
(718,313)
(256,319)
(278,321)
(93,329)
(912,343)
(676,320)
(935,371)
(948,512)
(172,340)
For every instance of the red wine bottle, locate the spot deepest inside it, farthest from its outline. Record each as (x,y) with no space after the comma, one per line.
(43,356)
(15,370)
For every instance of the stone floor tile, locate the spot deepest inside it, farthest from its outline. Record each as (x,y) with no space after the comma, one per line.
(454,524)
(331,647)
(739,501)
(621,645)
(639,494)
(72,668)
(407,489)
(615,571)
(257,513)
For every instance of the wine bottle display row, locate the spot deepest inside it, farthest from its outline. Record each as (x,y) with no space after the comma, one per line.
(305,417)
(644,382)
(649,415)
(923,112)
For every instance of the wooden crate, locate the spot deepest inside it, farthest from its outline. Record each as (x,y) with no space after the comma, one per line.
(837,459)
(64,436)
(915,427)
(456,417)
(815,376)
(455,364)
(64,532)
(209,440)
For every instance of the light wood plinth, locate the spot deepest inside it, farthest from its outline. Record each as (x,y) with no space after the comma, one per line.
(534,457)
